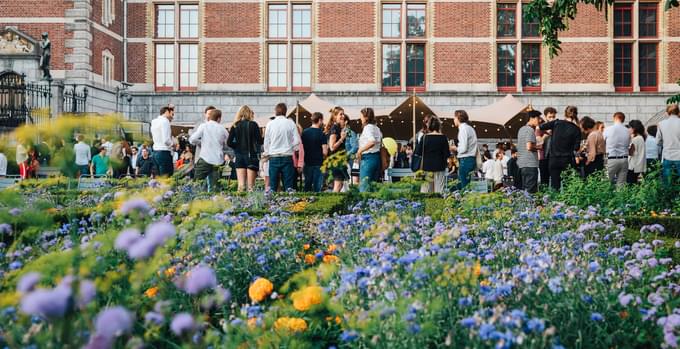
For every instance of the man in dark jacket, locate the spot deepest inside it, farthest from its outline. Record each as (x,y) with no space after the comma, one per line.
(564,142)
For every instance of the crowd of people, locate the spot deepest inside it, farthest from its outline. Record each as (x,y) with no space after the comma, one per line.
(329,155)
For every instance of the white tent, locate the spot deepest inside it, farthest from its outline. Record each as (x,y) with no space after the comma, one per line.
(499,113)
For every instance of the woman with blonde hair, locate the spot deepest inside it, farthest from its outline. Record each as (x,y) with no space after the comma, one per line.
(336,143)
(245,138)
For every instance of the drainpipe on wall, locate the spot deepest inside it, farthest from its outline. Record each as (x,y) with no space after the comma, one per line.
(125,61)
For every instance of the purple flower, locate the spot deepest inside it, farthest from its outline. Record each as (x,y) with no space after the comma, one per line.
(86,293)
(47,303)
(594,266)
(142,249)
(99,342)
(655,299)
(624,299)
(5,228)
(182,323)
(126,239)
(200,278)
(137,204)
(14,211)
(159,232)
(27,282)
(113,322)
(154,317)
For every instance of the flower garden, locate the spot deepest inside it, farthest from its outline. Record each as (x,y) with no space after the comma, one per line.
(163,264)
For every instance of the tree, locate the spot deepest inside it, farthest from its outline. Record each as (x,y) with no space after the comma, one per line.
(553,17)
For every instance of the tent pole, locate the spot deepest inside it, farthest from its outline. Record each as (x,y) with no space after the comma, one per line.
(413,104)
(297,112)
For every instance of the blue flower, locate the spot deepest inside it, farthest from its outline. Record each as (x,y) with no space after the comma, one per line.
(468,322)
(199,279)
(594,266)
(535,325)
(113,322)
(349,335)
(596,317)
(486,330)
(555,285)
(182,323)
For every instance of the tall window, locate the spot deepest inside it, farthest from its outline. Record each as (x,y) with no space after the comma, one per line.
(648,67)
(108,12)
(289,48)
(647,20)
(177,49)
(623,66)
(648,47)
(623,20)
(107,67)
(515,49)
(403,46)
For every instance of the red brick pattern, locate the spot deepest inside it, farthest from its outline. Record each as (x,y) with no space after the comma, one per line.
(100,42)
(57,36)
(355,64)
(588,23)
(346,19)
(673,62)
(234,63)
(462,19)
(232,20)
(581,63)
(137,62)
(96,15)
(673,20)
(462,63)
(136,24)
(34,8)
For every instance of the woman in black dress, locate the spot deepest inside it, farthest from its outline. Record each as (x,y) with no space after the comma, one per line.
(245,138)
(434,151)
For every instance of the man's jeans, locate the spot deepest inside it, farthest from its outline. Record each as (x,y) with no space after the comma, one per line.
(467,165)
(283,166)
(163,161)
(369,170)
(529,179)
(667,170)
(313,178)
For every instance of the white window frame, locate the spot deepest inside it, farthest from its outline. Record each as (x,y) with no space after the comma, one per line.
(108,68)
(298,64)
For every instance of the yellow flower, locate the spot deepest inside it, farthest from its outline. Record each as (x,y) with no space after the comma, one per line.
(307,297)
(260,289)
(170,272)
(291,324)
(478,269)
(152,292)
(310,259)
(330,259)
(332,248)
(485,283)
(305,247)
(252,322)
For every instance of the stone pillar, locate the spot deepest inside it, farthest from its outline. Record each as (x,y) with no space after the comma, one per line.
(57,102)
(80,42)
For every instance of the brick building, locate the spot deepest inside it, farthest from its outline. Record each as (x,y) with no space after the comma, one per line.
(453,53)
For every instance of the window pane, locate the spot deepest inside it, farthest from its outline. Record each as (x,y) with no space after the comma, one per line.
(277,65)
(415,14)
(189,21)
(188,65)
(506,65)
(277,21)
(302,21)
(165,21)
(415,67)
(648,20)
(531,65)
(165,58)
(623,65)
(506,20)
(391,20)
(623,24)
(301,64)
(391,65)
(529,27)
(648,65)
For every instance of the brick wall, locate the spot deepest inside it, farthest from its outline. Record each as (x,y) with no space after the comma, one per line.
(462,63)
(100,42)
(673,62)
(232,63)
(232,20)
(354,64)
(462,19)
(136,24)
(136,57)
(33,8)
(588,23)
(581,63)
(57,36)
(351,19)
(673,20)
(96,15)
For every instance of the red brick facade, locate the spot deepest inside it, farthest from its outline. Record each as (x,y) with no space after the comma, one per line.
(346,19)
(33,8)
(461,19)
(674,22)
(234,63)
(136,59)
(581,63)
(243,20)
(588,23)
(673,62)
(452,63)
(136,23)
(337,67)
(101,42)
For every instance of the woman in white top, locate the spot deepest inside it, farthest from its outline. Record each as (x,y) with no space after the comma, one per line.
(369,150)
(637,159)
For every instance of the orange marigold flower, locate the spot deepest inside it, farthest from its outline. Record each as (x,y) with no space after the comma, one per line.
(330,259)
(170,272)
(332,248)
(252,322)
(260,289)
(305,247)
(310,259)
(478,269)
(152,292)
(307,297)
(291,324)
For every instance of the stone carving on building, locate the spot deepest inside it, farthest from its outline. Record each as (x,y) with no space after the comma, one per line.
(13,42)
(46,47)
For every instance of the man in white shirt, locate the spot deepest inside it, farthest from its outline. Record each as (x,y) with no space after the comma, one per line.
(213,138)
(3,165)
(651,147)
(206,118)
(467,147)
(161,134)
(83,156)
(617,141)
(108,145)
(281,139)
(668,137)
(133,160)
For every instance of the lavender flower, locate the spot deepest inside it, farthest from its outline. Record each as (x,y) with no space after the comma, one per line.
(154,318)
(27,282)
(86,293)
(142,249)
(624,299)
(137,204)
(126,239)
(47,303)
(113,322)
(182,323)
(159,232)
(5,228)
(199,279)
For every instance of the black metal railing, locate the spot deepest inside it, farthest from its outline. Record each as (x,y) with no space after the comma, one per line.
(22,102)
(75,102)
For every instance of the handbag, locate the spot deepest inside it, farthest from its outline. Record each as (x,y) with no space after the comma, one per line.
(417,159)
